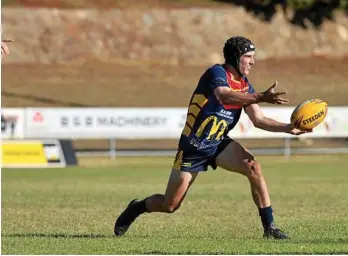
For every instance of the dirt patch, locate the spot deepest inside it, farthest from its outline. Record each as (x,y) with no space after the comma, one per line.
(111,3)
(112,85)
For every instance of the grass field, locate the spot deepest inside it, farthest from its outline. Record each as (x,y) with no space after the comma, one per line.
(72,210)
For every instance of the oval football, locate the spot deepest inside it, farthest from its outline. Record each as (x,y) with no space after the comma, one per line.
(309,114)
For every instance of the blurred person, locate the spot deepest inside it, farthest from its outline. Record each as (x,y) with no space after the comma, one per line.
(214,109)
(5,50)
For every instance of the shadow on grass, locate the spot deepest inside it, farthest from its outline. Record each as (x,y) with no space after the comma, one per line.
(320,241)
(96,236)
(58,235)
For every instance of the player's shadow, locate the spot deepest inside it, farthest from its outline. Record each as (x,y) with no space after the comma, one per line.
(59,235)
(322,241)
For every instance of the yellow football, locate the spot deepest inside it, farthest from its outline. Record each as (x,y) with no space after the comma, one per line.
(309,114)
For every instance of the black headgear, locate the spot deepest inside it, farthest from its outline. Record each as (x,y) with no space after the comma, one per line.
(234,48)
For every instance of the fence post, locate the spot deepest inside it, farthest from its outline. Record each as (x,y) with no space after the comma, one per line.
(287,149)
(112,148)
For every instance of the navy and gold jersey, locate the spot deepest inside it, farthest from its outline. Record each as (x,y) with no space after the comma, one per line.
(208,120)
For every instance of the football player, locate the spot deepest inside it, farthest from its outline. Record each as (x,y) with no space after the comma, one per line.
(223,91)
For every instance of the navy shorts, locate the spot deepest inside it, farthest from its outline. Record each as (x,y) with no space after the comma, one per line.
(187,162)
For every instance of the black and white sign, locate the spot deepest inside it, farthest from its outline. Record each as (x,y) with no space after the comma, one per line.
(105,123)
(12,123)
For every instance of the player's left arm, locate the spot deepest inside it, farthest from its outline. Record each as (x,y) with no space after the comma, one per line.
(268,124)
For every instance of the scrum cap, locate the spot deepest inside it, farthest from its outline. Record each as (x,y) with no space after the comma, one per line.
(234,48)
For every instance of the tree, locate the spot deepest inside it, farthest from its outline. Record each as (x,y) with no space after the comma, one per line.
(304,11)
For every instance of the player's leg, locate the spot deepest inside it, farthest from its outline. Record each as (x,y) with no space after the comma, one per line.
(177,187)
(236,158)
(178,184)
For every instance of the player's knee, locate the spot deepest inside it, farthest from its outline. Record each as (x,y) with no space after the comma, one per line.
(170,208)
(254,169)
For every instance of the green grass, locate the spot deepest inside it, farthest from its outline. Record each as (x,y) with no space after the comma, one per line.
(72,210)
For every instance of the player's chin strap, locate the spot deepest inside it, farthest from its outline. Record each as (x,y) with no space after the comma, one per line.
(235,63)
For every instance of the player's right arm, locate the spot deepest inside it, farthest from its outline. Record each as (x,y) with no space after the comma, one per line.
(228,97)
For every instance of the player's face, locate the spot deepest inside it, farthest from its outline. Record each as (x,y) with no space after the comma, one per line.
(246,61)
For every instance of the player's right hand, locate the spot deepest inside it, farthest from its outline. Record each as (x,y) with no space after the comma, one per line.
(273,97)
